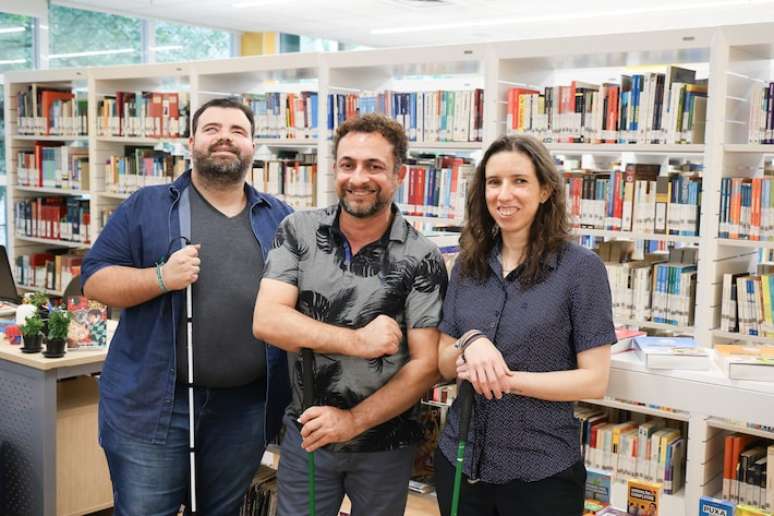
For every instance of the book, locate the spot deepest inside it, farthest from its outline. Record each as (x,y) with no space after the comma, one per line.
(592,507)
(598,485)
(741,362)
(625,339)
(643,498)
(672,353)
(88,326)
(709,506)
(612,511)
(749,510)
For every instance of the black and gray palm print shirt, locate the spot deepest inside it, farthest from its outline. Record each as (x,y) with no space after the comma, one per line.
(401,275)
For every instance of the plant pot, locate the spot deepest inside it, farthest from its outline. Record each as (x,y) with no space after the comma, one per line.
(32,343)
(55,348)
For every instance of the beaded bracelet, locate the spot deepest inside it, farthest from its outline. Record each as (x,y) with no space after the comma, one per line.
(160,277)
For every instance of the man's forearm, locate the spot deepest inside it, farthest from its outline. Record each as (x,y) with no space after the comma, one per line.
(288,329)
(122,287)
(396,396)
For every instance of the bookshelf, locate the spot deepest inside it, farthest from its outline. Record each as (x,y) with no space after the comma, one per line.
(732,58)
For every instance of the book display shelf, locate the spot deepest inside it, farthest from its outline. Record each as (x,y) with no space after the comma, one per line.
(300,98)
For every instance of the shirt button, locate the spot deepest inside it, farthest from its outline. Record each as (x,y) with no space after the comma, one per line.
(493,325)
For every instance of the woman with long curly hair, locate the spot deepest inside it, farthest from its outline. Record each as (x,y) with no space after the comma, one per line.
(527,320)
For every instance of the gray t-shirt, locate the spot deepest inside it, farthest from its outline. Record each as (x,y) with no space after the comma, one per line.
(401,275)
(226,354)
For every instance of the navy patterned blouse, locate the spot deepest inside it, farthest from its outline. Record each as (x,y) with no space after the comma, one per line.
(538,329)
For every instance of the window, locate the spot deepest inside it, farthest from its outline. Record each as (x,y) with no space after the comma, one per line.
(176,42)
(88,38)
(15,42)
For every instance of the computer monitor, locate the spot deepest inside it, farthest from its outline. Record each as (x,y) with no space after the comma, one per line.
(8,290)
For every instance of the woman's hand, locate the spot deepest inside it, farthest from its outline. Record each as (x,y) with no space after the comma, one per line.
(483,366)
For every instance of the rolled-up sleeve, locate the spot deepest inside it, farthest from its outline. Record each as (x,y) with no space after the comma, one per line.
(113,247)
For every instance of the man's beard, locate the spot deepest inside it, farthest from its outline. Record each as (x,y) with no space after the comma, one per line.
(363,211)
(220,172)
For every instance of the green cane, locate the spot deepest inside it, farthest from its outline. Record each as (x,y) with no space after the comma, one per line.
(308,376)
(466,399)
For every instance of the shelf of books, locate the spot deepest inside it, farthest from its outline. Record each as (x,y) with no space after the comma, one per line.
(665,140)
(284,96)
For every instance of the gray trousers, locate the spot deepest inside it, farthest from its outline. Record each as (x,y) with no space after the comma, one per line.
(376,482)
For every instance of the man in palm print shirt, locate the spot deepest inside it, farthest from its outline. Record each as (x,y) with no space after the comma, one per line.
(359,286)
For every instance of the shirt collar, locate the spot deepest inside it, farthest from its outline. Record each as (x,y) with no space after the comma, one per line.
(181,183)
(399,228)
(550,263)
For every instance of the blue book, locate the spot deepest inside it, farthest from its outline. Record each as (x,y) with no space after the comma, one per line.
(713,507)
(672,353)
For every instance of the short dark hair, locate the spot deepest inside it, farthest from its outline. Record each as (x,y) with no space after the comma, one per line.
(224,102)
(375,123)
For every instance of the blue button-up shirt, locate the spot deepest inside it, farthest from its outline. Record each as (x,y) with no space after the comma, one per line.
(137,386)
(538,329)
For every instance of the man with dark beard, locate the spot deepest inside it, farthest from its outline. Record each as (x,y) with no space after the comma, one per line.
(362,289)
(211,230)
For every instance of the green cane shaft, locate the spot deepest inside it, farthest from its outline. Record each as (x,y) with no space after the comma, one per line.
(458,478)
(311,483)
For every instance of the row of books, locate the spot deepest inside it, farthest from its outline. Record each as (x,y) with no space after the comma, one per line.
(642,497)
(710,506)
(42,110)
(427,116)
(51,270)
(761,128)
(149,114)
(746,306)
(636,199)
(637,448)
(53,218)
(284,115)
(747,471)
(292,179)
(644,108)
(53,165)
(141,166)
(660,288)
(746,208)
(261,497)
(435,186)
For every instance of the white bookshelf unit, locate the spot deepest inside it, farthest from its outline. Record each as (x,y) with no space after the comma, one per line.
(732,58)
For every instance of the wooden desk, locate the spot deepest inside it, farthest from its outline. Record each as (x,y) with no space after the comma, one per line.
(50,458)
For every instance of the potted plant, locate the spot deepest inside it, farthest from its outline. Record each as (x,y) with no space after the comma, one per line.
(40,301)
(58,326)
(32,333)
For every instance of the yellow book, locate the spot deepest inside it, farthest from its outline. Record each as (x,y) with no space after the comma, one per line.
(748,510)
(643,497)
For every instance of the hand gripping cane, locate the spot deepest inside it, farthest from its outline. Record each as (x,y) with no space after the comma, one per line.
(308,377)
(466,399)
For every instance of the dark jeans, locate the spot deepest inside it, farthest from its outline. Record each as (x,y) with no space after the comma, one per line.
(559,495)
(153,479)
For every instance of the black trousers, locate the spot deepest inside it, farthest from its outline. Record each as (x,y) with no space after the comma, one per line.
(559,495)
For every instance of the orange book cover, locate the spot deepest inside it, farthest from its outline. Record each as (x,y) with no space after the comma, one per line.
(513,104)
(47,98)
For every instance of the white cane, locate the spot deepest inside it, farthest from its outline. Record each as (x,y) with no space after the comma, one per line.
(191,431)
